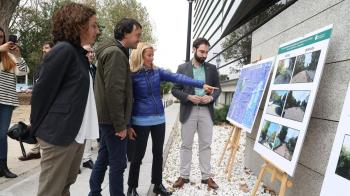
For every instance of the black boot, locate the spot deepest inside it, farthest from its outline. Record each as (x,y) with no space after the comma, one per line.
(160,189)
(132,192)
(4,170)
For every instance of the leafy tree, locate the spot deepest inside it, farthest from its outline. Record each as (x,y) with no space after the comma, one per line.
(291,144)
(7,9)
(165,87)
(264,130)
(243,47)
(223,77)
(32,22)
(111,11)
(283,133)
(343,166)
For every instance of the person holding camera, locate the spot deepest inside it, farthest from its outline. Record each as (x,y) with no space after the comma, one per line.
(11,64)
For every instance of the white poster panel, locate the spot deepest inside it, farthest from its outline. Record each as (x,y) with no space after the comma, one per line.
(337,177)
(290,100)
(249,92)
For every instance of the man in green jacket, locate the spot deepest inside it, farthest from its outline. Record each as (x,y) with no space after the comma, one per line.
(113,94)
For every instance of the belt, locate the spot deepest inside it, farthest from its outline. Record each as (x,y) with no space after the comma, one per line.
(201,105)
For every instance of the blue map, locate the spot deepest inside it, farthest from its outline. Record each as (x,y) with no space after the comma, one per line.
(249,91)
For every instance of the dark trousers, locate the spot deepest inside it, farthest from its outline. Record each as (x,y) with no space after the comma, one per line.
(157,134)
(5,119)
(112,152)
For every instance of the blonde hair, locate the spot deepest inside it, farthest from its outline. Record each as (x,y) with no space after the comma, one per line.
(136,56)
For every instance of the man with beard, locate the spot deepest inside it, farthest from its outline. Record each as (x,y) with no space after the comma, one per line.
(197,113)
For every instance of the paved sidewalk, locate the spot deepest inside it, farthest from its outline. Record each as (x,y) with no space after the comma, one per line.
(27,182)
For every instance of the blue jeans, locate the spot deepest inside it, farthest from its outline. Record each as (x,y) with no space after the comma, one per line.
(5,120)
(112,152)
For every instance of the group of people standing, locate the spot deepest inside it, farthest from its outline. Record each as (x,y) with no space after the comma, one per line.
(69,107)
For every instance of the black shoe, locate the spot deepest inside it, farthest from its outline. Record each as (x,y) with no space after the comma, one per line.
(132,192)
(4,170)
(88,164)
(160,189)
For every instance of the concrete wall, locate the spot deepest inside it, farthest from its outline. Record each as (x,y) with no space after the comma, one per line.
(303,17)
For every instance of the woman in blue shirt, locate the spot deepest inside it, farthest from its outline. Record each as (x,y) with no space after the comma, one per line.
(148,113)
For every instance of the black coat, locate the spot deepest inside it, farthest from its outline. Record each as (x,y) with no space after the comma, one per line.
(181,91)
(60,94)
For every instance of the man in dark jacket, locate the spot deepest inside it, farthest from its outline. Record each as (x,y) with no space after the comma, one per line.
(197,113)
(113,92)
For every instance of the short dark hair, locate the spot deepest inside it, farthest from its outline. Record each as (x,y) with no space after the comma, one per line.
(199,41)
(124,26)
(50,43)
(69,20)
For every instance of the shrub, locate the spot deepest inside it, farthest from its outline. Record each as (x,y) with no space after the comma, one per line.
(220,114)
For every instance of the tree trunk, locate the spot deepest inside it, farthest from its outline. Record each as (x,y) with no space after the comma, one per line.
(7,8)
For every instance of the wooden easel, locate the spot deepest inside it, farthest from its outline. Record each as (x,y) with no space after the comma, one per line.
(234,145)
(234,142)
(276,173)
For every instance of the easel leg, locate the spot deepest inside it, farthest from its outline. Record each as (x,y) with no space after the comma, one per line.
(235,149)
(232,143)
(261,174)
(228,141)
(283,185)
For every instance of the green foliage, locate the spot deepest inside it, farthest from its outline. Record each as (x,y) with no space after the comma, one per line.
(343,166)
(220,114)
(32,22)
(223,77)
(243,47)
(165,87)
(264,130)
(291,144)
(283,133)
(111,11)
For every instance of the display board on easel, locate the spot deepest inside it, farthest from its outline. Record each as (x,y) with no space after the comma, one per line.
(245,104)
(337,176)
(291,97)
(248,95)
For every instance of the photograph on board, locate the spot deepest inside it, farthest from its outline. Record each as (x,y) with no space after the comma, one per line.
(343,166)
(296,104)
(284,71)
(305,67)
(276,102)
(285,142)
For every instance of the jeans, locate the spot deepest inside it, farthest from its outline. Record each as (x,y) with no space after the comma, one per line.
(5,120)
(112,152)
(142,132)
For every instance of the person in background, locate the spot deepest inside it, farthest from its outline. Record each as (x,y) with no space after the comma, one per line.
(11,64)
(113,90)
(87,161)
(34,152)
(148,114)
(63,110)
(197,113)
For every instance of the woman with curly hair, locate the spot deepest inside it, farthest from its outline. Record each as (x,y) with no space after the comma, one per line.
(63,104)
(11,64)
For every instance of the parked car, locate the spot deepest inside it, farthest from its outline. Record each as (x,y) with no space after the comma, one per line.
(24,88)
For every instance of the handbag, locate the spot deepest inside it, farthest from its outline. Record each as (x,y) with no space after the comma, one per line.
(22,133)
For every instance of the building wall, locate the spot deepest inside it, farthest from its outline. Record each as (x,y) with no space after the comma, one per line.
(301,18)
(209,19)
